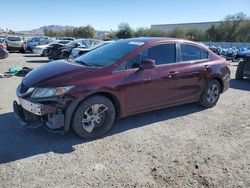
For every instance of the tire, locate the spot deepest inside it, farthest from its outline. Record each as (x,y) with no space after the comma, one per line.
(64,55)
(22,51)
(211,94)
(236,58)
(84,119)
(54,55)
(43,53)
(240,70)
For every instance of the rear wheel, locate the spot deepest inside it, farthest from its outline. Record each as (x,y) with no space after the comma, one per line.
(210,94)
(94,117)
(64,55)
(240,70)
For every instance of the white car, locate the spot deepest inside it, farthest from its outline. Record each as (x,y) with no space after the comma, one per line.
(14,43)
(76,52)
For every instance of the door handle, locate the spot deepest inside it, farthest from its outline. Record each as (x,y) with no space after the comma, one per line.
(173,73)
(206,67)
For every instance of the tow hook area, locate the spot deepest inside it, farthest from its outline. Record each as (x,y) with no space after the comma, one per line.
(21,117)
(55,120)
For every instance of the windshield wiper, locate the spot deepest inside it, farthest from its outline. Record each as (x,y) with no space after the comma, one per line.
(84,63)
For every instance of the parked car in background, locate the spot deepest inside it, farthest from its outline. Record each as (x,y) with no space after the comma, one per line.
(35,41)
(64,51)
(119,79)
(65,38)
(2,39)
(53,51)
(83,43)
(14,43)
(243,68)
(76,52)
(40,49)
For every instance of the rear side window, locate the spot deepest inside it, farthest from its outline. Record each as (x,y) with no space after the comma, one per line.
(190,52)
(162,54)
(14,39)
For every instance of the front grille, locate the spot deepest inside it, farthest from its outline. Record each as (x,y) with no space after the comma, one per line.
(23,88)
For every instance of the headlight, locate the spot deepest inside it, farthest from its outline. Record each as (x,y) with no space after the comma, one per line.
(74,52)
(50,92)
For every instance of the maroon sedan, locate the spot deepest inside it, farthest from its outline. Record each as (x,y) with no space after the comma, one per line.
(120,79)
(3,50)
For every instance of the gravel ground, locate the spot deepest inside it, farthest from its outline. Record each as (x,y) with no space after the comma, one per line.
(185,146)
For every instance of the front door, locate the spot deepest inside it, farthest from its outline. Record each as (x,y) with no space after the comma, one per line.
(151,88)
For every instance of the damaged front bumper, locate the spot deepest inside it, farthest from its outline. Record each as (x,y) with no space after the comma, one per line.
(53,115)
(33,115)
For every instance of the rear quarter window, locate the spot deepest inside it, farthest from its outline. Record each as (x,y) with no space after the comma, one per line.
(204,54)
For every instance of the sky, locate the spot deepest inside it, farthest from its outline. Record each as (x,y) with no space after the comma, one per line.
(104,15)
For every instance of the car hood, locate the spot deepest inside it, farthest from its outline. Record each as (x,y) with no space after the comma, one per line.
(56,71)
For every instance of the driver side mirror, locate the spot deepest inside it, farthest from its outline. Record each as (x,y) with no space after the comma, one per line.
(147,64)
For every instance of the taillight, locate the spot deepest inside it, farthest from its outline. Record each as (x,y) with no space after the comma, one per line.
(228,64)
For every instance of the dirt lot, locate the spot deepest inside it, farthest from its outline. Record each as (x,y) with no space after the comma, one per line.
(185,146)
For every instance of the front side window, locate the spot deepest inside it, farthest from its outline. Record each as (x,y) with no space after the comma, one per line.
(162,54)
(134,62)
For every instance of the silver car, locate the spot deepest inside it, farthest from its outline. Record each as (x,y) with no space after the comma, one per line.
(14,43)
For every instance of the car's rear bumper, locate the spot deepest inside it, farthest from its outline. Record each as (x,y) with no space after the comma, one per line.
(226,82)
(247,68)
(15,48)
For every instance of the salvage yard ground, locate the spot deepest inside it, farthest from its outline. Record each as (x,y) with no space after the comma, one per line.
(185,146)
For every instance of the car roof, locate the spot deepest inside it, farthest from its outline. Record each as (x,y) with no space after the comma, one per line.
(152,39)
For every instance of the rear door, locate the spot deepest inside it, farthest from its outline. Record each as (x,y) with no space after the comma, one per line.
(194,66)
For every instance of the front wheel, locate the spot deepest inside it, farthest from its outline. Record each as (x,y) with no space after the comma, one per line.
(94,117)
(211,94)
(64,55)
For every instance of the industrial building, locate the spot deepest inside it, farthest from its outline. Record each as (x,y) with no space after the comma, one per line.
(200,25)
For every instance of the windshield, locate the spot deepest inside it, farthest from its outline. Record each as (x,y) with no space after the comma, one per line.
(14,38)
(71,44)
(108,54)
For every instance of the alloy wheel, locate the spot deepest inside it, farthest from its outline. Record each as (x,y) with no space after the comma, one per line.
(213,93)
(93,117)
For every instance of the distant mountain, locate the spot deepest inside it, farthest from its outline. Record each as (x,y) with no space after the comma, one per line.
(39,31)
